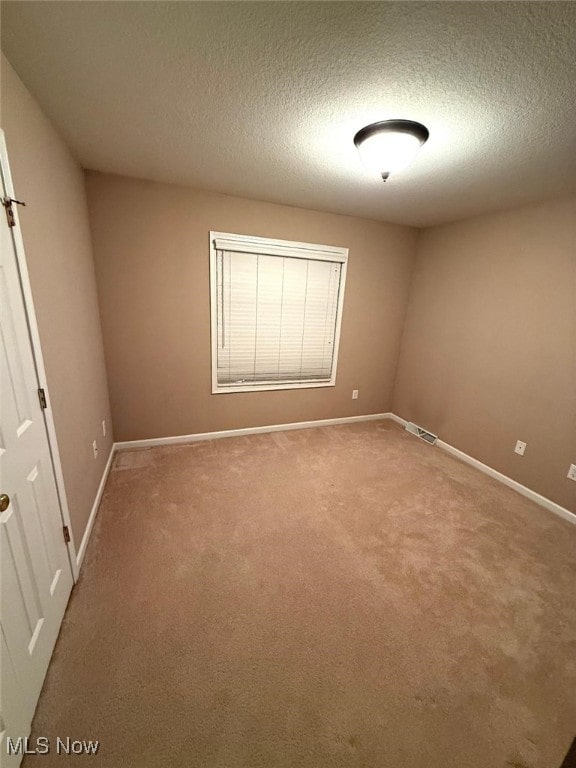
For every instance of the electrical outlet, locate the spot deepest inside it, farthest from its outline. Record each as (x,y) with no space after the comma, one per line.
(95,448)
(520,447)
(103,427)
(354,394)
(572,472)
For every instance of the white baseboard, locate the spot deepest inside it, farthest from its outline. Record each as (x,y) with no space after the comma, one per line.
(183,439)
(94,511)
(505,480)
(397,419)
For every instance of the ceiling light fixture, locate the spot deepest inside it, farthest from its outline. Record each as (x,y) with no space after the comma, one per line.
(390,145)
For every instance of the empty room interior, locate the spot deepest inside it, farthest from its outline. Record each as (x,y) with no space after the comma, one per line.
(288,437)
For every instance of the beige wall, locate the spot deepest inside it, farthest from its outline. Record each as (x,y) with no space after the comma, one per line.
(489,347)
(56,235)
(152,264)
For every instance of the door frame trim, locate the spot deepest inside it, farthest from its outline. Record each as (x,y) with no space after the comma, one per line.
(39,360)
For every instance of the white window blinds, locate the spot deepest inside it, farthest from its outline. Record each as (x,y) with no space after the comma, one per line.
(277,310)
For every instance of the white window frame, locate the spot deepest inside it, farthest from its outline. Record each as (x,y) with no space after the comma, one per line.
(270,247)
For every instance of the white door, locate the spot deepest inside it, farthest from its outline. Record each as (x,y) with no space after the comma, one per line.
(35,569)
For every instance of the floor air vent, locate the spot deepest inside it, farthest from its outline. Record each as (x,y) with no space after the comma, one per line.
(421,433)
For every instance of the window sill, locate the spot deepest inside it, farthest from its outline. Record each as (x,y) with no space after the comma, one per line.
(266,387)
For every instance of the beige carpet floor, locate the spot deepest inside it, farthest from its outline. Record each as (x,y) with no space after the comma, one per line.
(337,597)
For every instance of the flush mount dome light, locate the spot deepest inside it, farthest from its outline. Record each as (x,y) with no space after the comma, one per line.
(390,145)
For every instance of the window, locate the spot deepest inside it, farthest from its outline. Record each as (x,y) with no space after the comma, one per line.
(276,312)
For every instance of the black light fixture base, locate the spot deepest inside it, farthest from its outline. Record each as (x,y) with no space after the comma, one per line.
(398,126)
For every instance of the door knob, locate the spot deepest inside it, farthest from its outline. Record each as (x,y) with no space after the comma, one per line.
(4,501)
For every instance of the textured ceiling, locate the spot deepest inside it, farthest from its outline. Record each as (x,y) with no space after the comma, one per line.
(262,99)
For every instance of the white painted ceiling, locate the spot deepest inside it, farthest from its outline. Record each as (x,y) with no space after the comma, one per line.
(263,99)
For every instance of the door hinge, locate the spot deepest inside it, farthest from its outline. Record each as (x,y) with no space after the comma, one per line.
(66,534)
(7,203)
(42,398)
